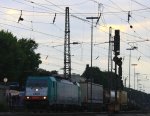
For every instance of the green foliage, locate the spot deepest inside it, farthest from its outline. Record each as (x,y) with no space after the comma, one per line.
(104,78)
(3,102)
(42,72)
(3,107)
(96,75)
(17,57)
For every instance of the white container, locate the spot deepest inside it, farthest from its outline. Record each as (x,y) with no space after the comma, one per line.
(97,93)
(67,92)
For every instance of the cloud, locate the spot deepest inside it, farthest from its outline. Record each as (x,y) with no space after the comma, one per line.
(12,12)
(141,25)
(121,27)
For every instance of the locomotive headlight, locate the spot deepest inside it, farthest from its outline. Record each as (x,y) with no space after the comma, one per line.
(36,89)
(28,97)
(44,97)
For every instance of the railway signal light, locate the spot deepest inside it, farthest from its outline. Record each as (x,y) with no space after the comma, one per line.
(120,71)
(117,42)
(118,61)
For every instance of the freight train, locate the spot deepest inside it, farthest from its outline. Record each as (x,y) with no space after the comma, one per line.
(57,93)
(52,92)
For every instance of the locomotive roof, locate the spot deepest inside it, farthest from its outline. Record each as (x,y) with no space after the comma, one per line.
(62,80)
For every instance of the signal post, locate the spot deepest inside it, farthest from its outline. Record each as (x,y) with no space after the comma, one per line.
(115,106)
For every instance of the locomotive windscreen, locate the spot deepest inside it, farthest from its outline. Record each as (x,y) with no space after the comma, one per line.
(37,83)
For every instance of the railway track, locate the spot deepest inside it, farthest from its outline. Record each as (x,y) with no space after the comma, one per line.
(133,113)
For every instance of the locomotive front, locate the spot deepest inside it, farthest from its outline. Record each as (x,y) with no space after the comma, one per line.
(36,93)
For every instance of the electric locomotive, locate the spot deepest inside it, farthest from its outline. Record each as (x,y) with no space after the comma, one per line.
(52,92)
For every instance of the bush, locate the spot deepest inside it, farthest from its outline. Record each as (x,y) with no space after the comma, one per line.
(3,107)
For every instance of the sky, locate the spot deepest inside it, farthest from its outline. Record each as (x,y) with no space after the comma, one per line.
(38,25)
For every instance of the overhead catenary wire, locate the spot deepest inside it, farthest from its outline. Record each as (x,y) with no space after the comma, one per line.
(105,13)
(29,29)
(140,4)
(82,13)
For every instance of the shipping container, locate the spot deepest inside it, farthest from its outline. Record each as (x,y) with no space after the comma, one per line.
(123,97)
(68,92)
(97,93)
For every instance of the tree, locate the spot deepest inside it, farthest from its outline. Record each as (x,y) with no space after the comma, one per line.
(8,51)
(94,73)
(43,72)
(104,78)
(17,57)
(30,60)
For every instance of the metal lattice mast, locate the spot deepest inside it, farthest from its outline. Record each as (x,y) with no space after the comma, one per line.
(67,58)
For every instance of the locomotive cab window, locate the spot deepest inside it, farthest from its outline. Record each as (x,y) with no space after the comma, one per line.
(37,83)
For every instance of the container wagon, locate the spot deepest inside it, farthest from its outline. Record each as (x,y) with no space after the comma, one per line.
(94,103)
